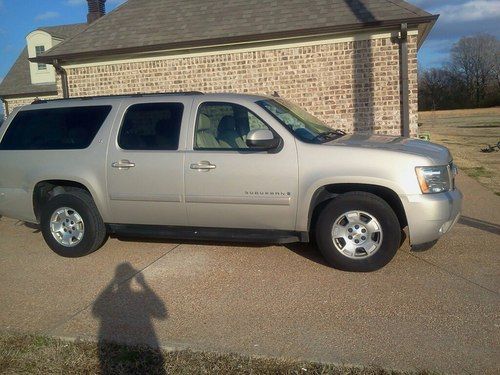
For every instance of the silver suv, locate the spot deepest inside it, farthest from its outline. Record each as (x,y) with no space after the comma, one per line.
(220,166)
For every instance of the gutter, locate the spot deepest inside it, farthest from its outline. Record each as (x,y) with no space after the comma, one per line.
(64,77)
(48,57)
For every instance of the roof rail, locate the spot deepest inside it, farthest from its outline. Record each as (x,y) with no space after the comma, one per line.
(136,95)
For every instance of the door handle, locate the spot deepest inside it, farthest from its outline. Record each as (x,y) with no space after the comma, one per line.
(123,164)
(203,166)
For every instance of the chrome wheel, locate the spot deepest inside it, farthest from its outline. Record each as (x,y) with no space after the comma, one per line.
(67,227)
(357,234)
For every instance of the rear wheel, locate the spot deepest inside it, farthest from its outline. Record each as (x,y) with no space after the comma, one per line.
(358,231)
(71,224)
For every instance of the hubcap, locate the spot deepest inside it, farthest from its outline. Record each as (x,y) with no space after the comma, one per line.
(66,226)
(357,234)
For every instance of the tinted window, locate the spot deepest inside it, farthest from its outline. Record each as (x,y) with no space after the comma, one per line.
(224,126)
(154,126)
(55,128)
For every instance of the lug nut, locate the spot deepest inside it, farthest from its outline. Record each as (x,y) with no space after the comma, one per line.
(350,230)
(363,238)
(357,241)
(350,237)
(363,230)
(356,226)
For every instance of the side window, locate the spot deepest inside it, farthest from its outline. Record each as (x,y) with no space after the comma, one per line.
(54,128)
(152,126)
(224,126)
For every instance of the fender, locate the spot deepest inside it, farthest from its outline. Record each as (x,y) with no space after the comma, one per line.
(307,197)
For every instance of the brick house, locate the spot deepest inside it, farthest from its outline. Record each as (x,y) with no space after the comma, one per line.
(352,63)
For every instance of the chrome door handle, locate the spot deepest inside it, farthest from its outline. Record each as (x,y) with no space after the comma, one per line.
(123,164)
(203,166)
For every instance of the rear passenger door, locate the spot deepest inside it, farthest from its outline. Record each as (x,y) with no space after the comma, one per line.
(145,163)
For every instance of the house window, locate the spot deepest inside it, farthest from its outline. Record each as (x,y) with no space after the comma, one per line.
(38,51)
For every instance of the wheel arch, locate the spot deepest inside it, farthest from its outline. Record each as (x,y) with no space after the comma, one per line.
(45,189)
(325,193)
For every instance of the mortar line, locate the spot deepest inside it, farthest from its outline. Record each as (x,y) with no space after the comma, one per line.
(454,274)
(64,321)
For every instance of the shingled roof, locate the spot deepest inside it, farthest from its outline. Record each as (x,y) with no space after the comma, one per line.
(152,25)
(17,82)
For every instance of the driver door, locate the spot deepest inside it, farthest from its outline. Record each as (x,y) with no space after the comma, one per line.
(228,184)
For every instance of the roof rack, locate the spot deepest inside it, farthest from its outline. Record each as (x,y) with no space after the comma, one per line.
(137,95)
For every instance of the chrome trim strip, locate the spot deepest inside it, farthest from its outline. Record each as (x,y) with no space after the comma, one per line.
(274,201)
(146,198)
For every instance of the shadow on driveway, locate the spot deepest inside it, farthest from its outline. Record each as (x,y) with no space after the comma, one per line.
(480,224)
(125,309)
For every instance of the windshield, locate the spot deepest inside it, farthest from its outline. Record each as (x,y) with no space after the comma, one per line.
(303,125)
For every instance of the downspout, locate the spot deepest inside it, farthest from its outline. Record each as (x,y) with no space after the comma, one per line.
(405,98)
(64,78)
(6,105)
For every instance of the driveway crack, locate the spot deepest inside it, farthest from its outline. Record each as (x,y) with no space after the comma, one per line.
(454,274)
(51,330)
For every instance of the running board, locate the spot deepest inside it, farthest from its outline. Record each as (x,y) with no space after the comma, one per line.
(210,234)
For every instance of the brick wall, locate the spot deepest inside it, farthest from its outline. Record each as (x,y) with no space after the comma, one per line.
(350,85)
(18,102)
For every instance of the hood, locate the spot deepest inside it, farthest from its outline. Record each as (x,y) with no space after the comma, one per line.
(439,154)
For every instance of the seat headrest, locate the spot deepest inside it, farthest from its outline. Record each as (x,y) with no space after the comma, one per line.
(226,124)
(204,122)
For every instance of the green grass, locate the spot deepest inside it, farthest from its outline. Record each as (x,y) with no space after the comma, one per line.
(35,354)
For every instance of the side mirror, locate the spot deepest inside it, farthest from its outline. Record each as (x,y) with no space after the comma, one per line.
(262,139)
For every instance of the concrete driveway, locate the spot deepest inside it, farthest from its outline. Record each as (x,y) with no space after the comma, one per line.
(436,310)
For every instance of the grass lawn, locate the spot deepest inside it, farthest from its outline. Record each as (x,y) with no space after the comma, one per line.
(465,132)
(33,354)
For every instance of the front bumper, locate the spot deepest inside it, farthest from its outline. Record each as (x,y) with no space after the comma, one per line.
(430,216)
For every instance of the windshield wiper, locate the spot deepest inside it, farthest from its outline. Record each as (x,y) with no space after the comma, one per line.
(330,134)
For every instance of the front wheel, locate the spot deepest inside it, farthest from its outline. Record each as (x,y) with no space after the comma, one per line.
(358,232)
(71,224)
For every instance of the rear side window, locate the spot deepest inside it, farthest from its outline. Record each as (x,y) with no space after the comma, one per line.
(54,128)
(152,126)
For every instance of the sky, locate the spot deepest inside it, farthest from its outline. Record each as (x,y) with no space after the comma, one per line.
(458,18)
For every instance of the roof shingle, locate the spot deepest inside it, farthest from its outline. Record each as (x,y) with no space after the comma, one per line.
(153,24)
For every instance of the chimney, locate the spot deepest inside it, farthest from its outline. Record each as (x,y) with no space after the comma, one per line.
(97,9)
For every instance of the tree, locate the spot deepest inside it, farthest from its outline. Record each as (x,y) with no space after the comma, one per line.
(474,60)
(471,78)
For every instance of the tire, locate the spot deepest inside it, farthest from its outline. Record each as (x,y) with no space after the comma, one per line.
(375,247)
(91,229)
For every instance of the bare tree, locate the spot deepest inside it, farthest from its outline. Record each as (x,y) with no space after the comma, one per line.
(474,59)
(496,70)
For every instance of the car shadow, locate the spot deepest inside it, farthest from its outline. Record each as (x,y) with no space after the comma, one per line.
(126,308)
(485,226)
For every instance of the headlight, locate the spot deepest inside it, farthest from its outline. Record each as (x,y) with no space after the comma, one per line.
(433,179)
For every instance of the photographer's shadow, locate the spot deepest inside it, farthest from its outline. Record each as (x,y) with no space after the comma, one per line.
(125,309)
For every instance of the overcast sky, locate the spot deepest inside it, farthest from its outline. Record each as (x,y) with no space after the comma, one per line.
(458,18)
